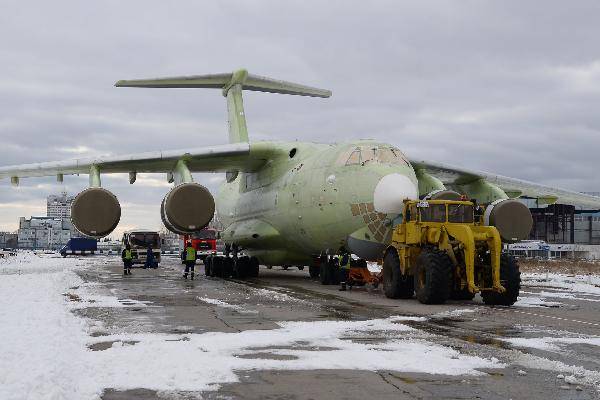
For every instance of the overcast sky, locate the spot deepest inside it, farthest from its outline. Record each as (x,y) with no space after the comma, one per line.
(511,87)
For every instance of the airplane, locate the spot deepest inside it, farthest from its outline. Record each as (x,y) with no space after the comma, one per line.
(290,203)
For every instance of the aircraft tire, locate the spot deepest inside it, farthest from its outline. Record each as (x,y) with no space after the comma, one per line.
(324,272)
(240,267)
(217,267)
(227,267)
(395,284)
(207,265)
(253,267)
(285,267)
(433,274)
(511,280)
(300,267)
(334,276)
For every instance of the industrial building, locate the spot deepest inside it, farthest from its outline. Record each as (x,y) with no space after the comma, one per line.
(52,231)
(44,232)
(59,205)
(8,240)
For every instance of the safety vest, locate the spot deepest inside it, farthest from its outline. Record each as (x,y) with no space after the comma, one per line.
(345,265)
(190,254)
(128,255)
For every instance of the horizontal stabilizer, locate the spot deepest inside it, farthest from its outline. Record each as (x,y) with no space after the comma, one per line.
(227,80)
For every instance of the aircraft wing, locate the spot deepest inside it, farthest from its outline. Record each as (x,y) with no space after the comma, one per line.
(453,176)
(222,158)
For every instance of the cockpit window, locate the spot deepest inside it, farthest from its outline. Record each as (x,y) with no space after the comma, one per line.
(354,157)
(366,154)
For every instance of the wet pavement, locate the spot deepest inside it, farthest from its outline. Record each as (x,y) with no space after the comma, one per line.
(160,301)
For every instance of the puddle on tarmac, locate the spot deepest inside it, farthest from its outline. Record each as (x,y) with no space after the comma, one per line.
(267,356)
(101,346)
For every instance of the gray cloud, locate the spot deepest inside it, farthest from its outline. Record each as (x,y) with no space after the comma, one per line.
(509,87)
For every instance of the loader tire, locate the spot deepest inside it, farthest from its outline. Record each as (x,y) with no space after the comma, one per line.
(510,277)
(395,284)
(433,274)
(462,294)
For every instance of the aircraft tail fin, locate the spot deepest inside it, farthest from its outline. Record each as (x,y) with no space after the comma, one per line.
(232,85)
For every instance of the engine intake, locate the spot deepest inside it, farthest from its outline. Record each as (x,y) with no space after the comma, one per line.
(187,208)
(95,212)
(511,217)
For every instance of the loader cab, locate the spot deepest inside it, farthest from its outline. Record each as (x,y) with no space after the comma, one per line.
(439,211)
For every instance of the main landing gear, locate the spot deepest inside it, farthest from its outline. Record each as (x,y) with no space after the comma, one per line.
(231,266)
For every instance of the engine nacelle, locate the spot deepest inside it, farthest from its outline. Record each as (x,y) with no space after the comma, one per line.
(511,217)
(95,212)
(442,194)
(187,208)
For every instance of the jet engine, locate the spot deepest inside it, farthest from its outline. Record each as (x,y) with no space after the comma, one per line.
(95,212)
(442,194)
(187,208)
(511,217)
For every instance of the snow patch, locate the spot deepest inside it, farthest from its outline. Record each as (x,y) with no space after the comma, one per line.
(583,284)
(223,304)
(532,302)
(453,313)
(552,343)
(45,352)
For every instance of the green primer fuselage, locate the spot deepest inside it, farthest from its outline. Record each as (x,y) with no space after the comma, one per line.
(309,201)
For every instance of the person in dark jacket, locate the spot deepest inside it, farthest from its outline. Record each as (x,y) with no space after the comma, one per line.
(189,258)
(127,257)
(149,258)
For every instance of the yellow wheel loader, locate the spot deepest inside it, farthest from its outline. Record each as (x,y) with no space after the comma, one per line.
(440,252)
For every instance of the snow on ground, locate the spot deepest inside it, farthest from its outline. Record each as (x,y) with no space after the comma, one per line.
(535,301)
(43,346)
(223,304)
(552,343)
(214,358)
(553,294)
(581,284)
(453,313)
(45,355)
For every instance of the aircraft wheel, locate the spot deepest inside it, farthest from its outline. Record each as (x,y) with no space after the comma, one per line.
(334,271)
(433,274)
(285,267)
(395,284)
(300,267)
(207,265)
(253,267)
(227,267)
(240,267)
(217,267)
(324,272)
(510,276)
(313,272)
(269,267)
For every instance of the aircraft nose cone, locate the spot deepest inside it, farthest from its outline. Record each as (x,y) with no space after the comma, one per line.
(391,191)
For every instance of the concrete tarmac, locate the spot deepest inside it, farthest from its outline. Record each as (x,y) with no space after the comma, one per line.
(178,308)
